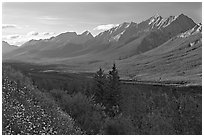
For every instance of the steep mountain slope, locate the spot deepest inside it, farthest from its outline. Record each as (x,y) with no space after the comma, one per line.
(177,60)
(123,41)
(7,47)
(161,49)
(129,39)
(196,29)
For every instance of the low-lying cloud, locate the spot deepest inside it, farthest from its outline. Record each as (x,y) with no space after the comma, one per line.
(13,36)
(105,27)
(32,33)
(7,26)
(48,33)
(48,18)
(18,40)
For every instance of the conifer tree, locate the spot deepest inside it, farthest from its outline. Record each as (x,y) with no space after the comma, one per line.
(107,90)
(99,86)
(113,94)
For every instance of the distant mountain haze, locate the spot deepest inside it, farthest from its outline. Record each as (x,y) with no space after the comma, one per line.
(7,47)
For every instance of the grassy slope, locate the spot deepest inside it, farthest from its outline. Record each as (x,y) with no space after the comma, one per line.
(174,61)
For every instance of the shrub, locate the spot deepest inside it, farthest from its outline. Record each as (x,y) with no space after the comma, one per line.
(57,94)
(27,110)
(187,115)
(157,124)
(87,115)
(118,126)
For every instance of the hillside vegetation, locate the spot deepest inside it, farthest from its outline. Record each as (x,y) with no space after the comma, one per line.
(27,110)
(105,106)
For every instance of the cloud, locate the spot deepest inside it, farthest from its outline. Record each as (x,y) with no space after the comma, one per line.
(7,26)
(48,18)
(32,33)
(48,33)
(13,36)
(105,27)
(18,39)
(10,37)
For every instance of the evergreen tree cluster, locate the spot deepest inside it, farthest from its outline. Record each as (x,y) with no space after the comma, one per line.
(107,90)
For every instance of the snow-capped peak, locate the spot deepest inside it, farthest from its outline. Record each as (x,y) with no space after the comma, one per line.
(167,21)
(125,25)
(158,22)
(86,33)
(156,15)
(155,19)
(117,37)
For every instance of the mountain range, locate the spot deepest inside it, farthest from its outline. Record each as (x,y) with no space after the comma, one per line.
(155,49)
(7,47)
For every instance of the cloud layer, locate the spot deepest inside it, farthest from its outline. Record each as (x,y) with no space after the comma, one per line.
(13,36)
(105,27)
(48,18)
(47,33)
(32,33)
(18,40)
(7,26)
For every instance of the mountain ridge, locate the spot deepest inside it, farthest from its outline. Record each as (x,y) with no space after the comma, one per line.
(124,41)
(7,47)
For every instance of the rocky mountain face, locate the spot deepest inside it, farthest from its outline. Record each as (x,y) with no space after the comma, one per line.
(196,29)
(163,30)
(177,60)
(126,32)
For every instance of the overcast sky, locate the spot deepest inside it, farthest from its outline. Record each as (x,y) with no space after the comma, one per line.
(25,21)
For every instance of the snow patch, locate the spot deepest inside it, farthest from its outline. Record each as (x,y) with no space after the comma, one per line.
(194,30)
(159,22)
(117,37)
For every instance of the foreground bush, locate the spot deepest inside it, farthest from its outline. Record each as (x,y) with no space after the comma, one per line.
(118,126)
(163,113)
(27,110)
(87,114)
